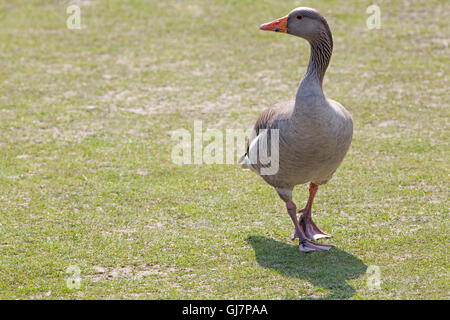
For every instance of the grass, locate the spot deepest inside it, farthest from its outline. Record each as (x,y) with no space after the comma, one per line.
(86,177)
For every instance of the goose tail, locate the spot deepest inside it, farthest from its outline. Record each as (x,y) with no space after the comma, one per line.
(245,162)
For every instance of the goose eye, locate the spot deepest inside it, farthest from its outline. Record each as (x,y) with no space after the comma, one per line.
(299,17)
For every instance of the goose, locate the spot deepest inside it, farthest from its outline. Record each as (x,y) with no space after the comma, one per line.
(312,134)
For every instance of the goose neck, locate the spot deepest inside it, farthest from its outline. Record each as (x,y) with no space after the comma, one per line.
(321,50)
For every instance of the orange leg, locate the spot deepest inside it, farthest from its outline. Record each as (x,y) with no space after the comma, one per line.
(310,229)
(305,245)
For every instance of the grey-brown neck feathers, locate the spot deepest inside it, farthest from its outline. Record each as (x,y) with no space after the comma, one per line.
(321,50)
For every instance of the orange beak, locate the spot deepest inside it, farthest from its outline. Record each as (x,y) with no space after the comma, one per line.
(279,25)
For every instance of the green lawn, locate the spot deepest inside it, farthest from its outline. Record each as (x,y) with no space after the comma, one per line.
(87,180)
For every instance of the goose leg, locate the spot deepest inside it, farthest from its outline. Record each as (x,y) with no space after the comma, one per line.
(305,245)
(310,229)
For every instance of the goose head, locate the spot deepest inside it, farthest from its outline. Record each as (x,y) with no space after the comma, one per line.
(303,22)
(309,24)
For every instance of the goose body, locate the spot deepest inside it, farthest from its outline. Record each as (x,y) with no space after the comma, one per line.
(314,133)
(314,138)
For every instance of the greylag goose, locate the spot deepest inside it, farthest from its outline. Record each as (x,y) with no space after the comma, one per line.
(313,133)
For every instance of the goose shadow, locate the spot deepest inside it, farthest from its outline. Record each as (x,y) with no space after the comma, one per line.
(329,270)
